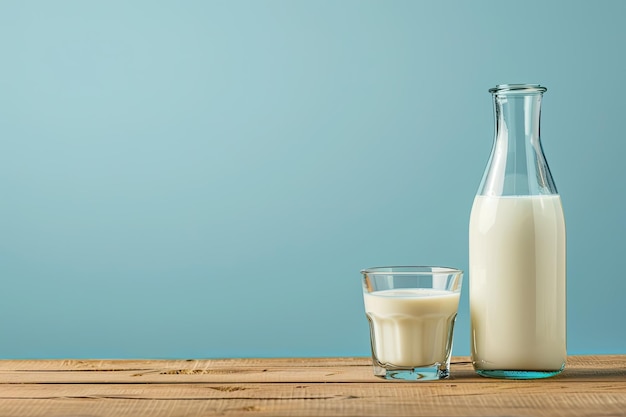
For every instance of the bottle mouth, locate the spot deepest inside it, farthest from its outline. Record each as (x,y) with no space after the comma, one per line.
(518,88)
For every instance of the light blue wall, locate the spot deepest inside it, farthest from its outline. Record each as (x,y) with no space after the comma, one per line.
(206,179)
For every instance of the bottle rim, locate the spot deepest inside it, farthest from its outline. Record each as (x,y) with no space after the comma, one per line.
(518,88)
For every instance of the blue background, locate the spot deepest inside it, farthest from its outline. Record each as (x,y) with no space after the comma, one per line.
(206,179)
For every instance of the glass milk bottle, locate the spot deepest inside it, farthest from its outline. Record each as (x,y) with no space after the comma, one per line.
(517,249)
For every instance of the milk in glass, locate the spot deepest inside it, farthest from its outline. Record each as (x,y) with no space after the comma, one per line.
(411,327)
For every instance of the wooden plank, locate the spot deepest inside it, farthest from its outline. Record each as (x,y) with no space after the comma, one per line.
(301,390)
(396,403)
(574,361)
(587,368)
(142,364)
(257,374)
(590,386)
(176,371)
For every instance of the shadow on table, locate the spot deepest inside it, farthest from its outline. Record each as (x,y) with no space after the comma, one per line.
(461,370)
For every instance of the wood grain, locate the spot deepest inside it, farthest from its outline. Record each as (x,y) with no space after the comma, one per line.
(590,386)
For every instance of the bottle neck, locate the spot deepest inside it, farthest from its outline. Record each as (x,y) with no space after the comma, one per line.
(517,119)
(517,166)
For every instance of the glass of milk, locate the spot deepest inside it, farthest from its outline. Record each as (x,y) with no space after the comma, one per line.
(411,311)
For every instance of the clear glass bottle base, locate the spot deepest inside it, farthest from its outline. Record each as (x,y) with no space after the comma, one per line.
(428,373)
(517,374)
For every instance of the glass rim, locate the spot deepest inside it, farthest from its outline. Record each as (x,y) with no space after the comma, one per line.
(518,88)
(410,270)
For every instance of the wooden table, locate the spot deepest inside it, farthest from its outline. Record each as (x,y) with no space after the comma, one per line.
(590,386)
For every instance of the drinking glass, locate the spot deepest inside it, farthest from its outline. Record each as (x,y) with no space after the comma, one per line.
(411,312)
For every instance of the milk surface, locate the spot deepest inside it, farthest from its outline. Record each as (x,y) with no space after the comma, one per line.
(411,326)
(517,283)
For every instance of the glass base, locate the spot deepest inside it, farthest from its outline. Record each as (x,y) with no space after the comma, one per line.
(426,373)
(517,374)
